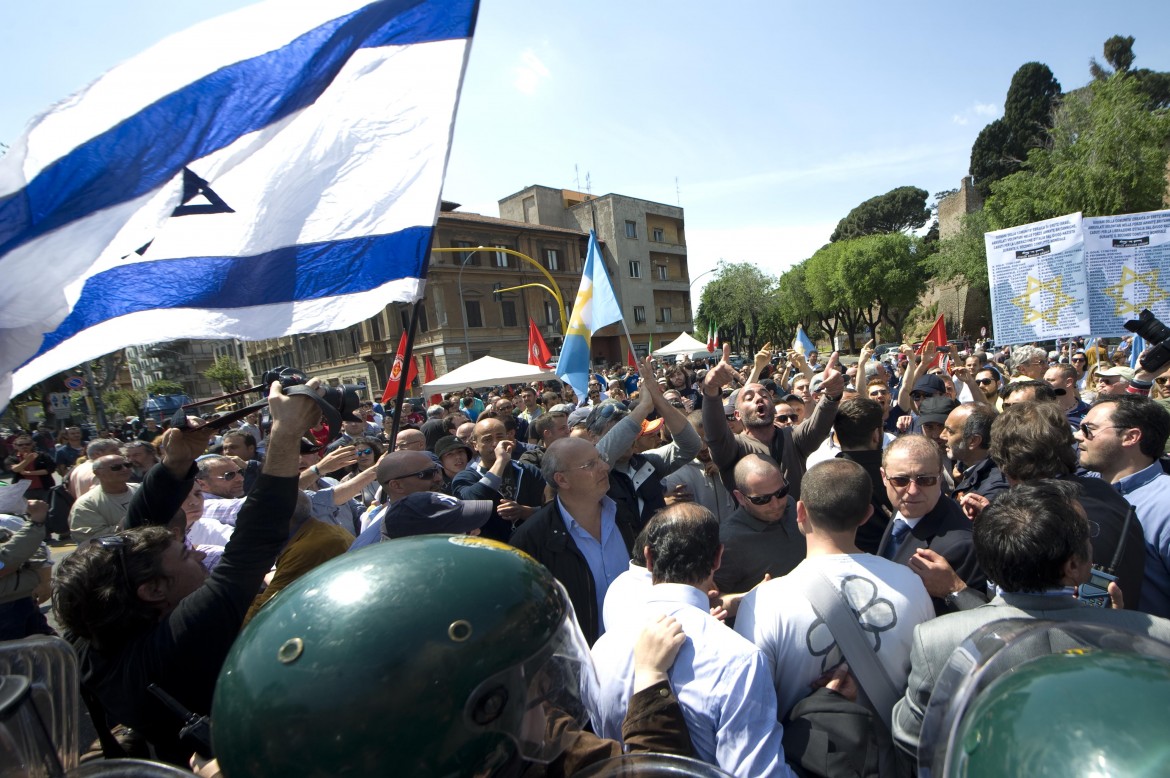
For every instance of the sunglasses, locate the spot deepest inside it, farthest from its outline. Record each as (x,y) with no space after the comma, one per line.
(364,452)
(1079,359)
(1162,380)
(1089,432)
(118,544)
(425,475)
(902,481)
(764,499)
(228,476)
(790,417)
(984,381)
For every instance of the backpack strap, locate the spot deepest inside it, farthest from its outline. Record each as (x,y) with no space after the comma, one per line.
(831,605)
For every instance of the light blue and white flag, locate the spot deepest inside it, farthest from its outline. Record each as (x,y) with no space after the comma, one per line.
(273,171)
(801,343)
(595,307)
(1135,350)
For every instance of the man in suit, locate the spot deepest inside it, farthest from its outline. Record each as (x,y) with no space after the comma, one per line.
(1034,542)
(928,529)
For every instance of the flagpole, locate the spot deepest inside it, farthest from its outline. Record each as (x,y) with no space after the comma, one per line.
(407,356)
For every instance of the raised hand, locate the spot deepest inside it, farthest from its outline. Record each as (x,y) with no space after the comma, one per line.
(834,380)
(720,375)
(764,356)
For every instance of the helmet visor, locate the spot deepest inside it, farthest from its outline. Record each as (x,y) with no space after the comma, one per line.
(543,701)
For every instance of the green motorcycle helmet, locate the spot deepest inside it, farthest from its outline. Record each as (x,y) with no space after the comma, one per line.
(426,656)
(1079,713)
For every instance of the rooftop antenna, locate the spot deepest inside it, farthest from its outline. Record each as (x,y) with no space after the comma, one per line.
(588,183)
(677,193)
(577,175)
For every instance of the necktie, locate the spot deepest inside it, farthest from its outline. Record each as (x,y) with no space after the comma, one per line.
(899,532)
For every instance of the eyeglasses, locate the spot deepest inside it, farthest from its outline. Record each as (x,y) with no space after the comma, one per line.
(1162,380)
(984,381)
(902,481)
(118,544)
(590,465)
(790,417)
(364,452)
(423,475)
(764,499)
(228,476)
(1079,359)
(1108,380)
(1089,431)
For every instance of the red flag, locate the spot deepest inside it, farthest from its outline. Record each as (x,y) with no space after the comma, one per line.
(630,360)
(428,376)
(938,334)
(538,353)
(710,338)
(716,343)
(396,371)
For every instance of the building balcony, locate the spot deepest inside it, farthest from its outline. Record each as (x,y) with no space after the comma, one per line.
(372,349)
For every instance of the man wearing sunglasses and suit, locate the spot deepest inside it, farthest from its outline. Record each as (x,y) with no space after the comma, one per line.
(928,530)
(100,511)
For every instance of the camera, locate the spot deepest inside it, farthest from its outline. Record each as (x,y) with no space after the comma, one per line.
(1156,335)
(337,403)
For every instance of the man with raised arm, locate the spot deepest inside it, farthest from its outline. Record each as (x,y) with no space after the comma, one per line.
(789,446)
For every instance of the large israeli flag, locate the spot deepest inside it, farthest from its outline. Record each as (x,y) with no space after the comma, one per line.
(595,307)
(269,172)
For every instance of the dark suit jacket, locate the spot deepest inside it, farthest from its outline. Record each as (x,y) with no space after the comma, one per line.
(946,531)
(545,539)
(1108,509)
(935,640)
(984,478)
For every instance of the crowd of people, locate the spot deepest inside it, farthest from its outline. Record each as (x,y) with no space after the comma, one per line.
(708,528)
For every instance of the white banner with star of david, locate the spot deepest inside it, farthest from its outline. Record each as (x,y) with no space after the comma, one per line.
(1039,288)
(1127,260)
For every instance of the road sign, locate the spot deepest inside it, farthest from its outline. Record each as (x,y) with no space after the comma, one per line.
(59,403)
(74,383)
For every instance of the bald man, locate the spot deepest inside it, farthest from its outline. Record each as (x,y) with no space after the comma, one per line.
(515,488)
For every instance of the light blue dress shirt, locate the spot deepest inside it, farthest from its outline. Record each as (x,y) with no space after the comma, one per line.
(722,682)
(607,558)
(1148,491)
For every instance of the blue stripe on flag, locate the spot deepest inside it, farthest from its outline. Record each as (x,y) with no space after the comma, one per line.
(294,273)
(148,149)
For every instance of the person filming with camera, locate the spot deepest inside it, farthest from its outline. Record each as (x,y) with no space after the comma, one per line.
(140,609)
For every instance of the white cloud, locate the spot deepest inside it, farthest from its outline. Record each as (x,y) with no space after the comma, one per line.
(530,73)
(981,111)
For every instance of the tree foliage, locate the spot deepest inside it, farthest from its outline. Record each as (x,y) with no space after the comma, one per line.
(1108,156)
(123,402)
(227,373)
(963,256)
(1003,145)
(164,386)
(737,300)
(899,209)
(1118,50)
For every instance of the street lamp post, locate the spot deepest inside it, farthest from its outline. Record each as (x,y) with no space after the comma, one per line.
(463,308)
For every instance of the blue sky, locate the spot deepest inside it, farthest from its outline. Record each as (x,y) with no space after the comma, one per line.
(775,118)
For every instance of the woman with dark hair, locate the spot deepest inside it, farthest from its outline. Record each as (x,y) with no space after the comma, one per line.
(368,451)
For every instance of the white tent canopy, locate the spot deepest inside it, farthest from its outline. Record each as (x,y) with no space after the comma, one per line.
(684,344)
(488,371)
